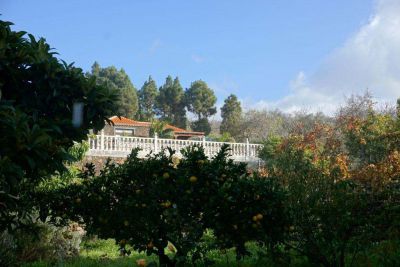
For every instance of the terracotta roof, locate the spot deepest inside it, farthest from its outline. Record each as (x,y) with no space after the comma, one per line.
(128,122)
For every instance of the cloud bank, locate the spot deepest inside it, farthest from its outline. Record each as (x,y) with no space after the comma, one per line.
(370,59)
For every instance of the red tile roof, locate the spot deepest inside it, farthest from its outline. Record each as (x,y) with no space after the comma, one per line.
(128,122)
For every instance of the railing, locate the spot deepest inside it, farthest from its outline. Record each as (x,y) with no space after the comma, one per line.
(121,146)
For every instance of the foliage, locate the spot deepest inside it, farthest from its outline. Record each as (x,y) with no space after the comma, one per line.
(225,137)
(170,105)
(118,80)
(340,204)
(202,125)
(147,203)
(200,99)
(40,241)
(259,125)
(147,100)
(371,139)
(357,106)
(38,93)
(160,127)
(231,113)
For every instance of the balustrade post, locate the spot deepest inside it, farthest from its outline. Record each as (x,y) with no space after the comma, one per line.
(102,140)
(155,143)
(247,148)
(204,142)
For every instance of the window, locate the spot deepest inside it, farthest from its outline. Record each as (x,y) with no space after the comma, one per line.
(124,131)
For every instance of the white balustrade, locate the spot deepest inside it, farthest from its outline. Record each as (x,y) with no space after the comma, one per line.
(121,146)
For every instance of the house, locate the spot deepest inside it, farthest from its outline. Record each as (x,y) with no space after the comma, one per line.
(127,127)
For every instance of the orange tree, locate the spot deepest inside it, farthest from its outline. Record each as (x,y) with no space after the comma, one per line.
(37,95)
(147,203)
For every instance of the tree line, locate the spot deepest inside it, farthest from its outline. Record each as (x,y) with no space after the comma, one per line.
(169,103)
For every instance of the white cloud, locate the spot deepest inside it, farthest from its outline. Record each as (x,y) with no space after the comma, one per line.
(370,59)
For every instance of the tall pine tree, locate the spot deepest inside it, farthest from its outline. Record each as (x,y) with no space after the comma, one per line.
(113,78)
(170,105)
(200,100)
(231,113)
(147,100)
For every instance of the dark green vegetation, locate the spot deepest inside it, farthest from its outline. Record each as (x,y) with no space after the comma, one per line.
(148,203)
(38,93)
(329,194)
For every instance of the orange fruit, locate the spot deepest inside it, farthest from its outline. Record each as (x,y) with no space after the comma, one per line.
(166,175)
(193,179)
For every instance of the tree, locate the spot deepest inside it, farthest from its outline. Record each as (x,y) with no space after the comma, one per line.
(163,201)
(160,128)
(200,100)
(170,105)
(357,106)
(231,113)
(147,100)
(202,125)
(38,94)
(114,79)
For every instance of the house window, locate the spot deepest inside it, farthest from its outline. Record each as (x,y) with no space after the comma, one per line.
(124,131)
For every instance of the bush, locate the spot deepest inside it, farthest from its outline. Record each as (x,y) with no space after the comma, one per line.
(40,241)
(339,206)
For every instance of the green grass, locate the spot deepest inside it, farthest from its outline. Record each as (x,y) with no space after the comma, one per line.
(105,253)
(101,253)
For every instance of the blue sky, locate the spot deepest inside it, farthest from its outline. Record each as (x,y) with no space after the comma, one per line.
(260,50)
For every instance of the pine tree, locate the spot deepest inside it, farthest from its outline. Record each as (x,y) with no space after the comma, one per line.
(118,79)
(147,100)
(170,105)
(200,100)
(231,113)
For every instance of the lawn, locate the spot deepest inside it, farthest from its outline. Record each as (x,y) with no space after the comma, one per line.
(105,253)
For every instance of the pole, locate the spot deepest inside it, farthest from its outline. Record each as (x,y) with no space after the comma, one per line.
(155,143)
(102,140)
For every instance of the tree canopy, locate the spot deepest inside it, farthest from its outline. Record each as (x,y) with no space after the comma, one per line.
(113,79)
(147,100)
(200,99)
(231,113)
(38,93)
(170,105)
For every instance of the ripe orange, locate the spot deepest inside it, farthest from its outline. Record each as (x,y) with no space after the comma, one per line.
(193,179)
(259,216)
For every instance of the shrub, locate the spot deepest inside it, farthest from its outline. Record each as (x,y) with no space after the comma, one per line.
(335,209)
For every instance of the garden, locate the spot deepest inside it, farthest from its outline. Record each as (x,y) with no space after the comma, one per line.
(327,194)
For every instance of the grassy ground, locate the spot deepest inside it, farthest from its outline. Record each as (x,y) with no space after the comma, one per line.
(105,253)
(101,253)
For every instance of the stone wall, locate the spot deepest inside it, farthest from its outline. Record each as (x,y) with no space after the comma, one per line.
(99,162)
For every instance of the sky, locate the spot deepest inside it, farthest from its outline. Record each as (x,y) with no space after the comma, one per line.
(287,54)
